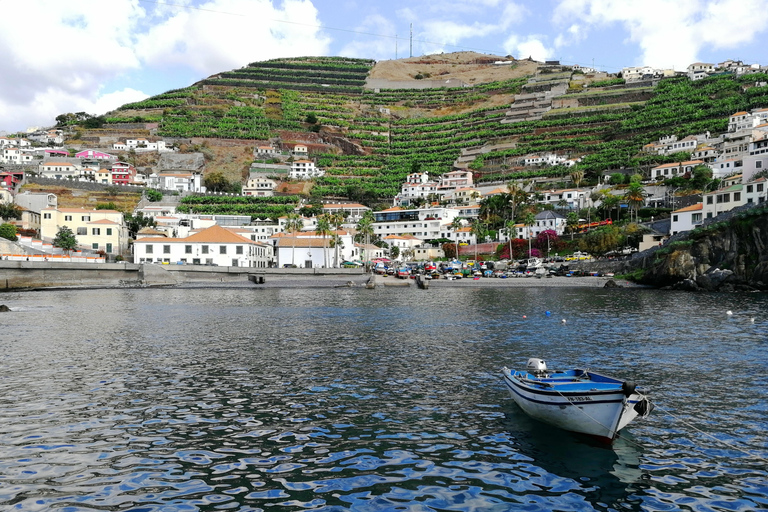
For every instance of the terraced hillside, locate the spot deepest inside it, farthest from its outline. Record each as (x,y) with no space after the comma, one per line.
(375,137)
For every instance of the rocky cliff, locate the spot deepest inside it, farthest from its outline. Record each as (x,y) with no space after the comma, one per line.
(726,255)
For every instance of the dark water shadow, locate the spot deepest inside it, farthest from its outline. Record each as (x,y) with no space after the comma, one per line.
(607,474)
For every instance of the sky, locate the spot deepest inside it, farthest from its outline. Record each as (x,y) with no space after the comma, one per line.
(95,55)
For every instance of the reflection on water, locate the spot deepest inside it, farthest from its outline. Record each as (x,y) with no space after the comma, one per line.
(387,399)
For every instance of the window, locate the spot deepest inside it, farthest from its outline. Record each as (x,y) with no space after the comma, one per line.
(82,231)
(749,189)
(187,249)
(737,196)
(150,249)
(759,187)
(758,165)
(46,215)
(709,215)
(86,218)
(68,218)
(96,231)
(709,199)
(109,231)
(205,249)
(696,217)
(166,249)
(195,261)
(109,249)
(239,249)
(95,247)
(674,218)
(222,249)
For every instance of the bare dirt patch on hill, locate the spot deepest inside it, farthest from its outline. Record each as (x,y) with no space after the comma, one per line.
(469,67)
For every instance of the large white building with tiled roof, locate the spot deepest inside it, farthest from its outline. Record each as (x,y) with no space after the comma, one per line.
(215,245)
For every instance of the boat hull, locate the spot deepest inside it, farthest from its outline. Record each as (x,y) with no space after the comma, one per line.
(600,411)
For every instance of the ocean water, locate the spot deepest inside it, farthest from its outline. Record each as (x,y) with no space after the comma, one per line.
(368,400)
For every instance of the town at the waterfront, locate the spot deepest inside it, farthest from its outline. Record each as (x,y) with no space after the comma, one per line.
(540,211)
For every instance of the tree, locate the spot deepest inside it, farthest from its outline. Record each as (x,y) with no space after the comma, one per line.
(137,222)
(65,239)
(324,229)
(456,225)
(365,230)
(8,231)
(153,195)
(216,182)
(10,211)
(571,222)
(577,177)
(337,219)
(479,230)
(635,196)
(529,220)
(311,118)
(602,240)
(394,252)
(293,224)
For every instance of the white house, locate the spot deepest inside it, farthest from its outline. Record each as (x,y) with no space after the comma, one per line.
(756,192)
(548,220)
(215,245)
(259,186)
(59,170)
(423,223)
(304,169)
(308,249)
(722,200)
(686,219)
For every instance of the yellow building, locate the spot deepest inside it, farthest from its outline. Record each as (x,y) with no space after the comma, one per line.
(96,230)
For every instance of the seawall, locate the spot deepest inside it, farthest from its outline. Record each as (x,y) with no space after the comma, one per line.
(29,275)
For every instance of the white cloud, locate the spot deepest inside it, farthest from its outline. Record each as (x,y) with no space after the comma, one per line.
(227,34)
(672,32)
(529,46)
(90,43)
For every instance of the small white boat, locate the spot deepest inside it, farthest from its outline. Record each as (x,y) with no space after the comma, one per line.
(577,400)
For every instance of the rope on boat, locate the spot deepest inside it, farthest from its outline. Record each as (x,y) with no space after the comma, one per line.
(726,443)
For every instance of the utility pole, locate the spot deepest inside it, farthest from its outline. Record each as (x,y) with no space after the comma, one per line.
(395,46)
(411,39)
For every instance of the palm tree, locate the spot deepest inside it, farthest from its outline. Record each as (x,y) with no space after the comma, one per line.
(456,225)
(337,219)
(478,229)
(510,232)
(572,222)
(635,196)
(529,220)
(324,229)
(293,224)
(365,229)
(577,177)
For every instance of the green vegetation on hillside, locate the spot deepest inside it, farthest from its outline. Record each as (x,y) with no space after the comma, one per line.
(397,131)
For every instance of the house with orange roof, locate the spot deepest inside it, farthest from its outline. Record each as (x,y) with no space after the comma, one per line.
(686,219)
(215,245)
(59,169)
(424,223)
(670,170)
(96,230)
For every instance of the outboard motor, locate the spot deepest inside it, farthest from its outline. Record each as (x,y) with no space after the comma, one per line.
(536,367)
